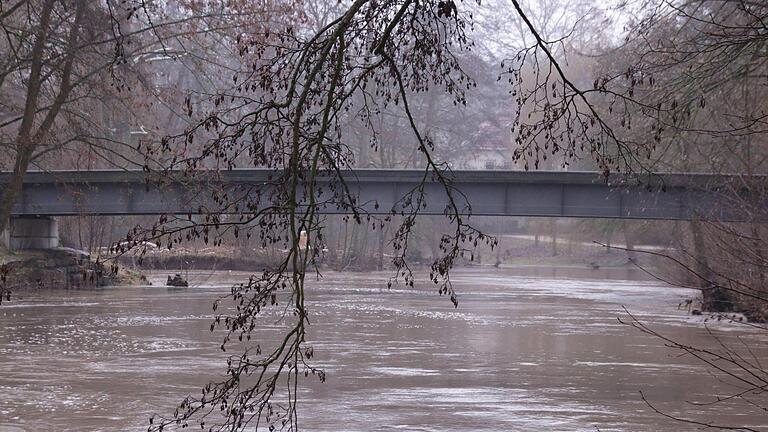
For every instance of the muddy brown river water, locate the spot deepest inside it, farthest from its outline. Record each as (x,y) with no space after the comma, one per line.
(524,351)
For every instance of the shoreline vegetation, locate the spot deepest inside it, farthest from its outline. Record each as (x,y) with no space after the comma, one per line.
(73,269)
(523,251)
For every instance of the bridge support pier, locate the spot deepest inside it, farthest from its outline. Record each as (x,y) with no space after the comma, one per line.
(4,234)
(31,233)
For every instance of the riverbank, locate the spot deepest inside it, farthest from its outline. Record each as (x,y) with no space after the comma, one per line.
(204,259)
(511,251)
(62,268)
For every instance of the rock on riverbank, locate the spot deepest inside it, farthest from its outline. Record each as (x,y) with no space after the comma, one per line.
(61,268)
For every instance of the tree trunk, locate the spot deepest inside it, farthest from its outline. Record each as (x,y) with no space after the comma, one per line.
(758,246)
(26,140)
(701,265)
(553,231)
(14,188)
(714,298)
(628,242)
(380,258)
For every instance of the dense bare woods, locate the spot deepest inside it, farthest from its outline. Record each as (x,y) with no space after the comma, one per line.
(690,86)
(682,90)
(84,84)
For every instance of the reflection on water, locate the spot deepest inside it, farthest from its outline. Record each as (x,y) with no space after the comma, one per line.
(520,353)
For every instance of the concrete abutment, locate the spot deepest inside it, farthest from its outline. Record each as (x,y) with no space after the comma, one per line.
(27,232)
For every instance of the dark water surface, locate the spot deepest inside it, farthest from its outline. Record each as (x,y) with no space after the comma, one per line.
(521,353)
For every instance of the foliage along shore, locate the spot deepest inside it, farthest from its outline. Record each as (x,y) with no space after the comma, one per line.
(223,258)
(71,269)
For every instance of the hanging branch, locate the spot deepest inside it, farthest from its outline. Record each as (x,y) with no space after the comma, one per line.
(285,114)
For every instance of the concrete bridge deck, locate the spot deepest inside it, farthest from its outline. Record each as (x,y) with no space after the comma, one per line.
(490,193)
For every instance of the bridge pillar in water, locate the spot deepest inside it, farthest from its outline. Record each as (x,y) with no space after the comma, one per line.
(32,233)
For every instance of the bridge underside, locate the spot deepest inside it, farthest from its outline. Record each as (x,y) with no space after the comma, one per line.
(550,194)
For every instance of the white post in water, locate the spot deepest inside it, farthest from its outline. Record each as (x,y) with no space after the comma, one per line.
(303,240)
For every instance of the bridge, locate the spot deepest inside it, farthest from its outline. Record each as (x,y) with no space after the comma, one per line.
(489,193)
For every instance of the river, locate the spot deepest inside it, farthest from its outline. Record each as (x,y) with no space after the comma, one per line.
(525,351)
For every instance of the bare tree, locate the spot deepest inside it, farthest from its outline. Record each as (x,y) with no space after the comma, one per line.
(82,83)
(47,66)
